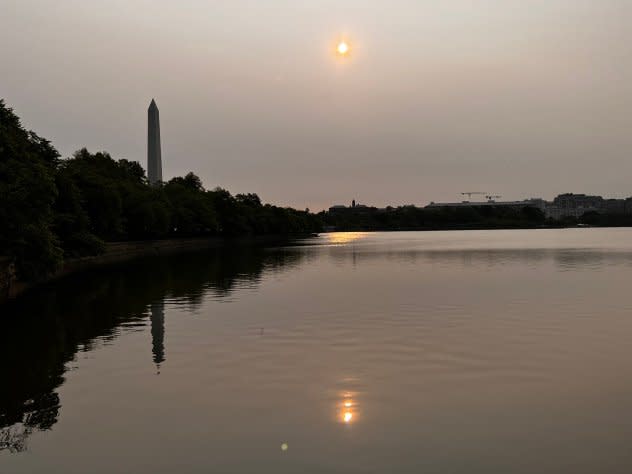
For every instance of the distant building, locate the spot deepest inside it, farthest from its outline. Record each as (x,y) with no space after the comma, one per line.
(534,202)
(556,213)
(576,205)
(354,207)
(614,206)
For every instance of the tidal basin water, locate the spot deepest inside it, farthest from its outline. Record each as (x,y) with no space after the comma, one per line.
(435,352)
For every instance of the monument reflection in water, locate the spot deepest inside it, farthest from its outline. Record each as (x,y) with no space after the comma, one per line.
(158,332)
(42,333)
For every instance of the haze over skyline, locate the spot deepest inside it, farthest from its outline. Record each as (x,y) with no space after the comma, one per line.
(516,98)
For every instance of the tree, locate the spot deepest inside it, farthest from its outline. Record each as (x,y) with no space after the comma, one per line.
(27,194)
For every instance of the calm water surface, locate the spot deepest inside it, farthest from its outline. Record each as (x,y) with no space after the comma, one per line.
(436,352)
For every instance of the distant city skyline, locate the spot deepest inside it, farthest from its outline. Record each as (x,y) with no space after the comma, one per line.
(563,205)
(512,98)
(487,199)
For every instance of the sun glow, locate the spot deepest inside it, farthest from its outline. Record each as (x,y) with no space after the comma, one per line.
(342,48)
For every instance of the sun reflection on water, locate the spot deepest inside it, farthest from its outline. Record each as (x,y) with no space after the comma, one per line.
(339,238)
(348,409)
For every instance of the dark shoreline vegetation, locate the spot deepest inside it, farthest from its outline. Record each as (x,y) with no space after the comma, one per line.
(53,210)
(412,218)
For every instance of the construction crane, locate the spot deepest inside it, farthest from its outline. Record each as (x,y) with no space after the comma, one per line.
(470,194)
(492,198)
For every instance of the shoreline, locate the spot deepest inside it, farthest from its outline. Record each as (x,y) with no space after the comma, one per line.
(119,252)
(472,227)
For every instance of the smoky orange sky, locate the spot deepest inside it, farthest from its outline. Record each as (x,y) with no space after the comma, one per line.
(520,98)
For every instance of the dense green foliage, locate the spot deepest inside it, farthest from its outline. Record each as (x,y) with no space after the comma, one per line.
(27,195)
(52,209)
(416,218)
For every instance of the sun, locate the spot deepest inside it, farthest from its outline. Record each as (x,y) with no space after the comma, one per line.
(343,48)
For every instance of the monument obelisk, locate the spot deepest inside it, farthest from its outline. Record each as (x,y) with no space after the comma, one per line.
(154,158)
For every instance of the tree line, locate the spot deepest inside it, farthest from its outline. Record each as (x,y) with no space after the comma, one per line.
(466,217)
(53,209)
(438,218)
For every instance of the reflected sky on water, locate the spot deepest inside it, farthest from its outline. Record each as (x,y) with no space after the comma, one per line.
(481,351)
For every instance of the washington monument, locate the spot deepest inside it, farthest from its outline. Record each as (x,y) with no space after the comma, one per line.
(154,159)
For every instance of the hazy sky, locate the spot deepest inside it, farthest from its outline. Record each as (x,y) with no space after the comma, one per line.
(513,97)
